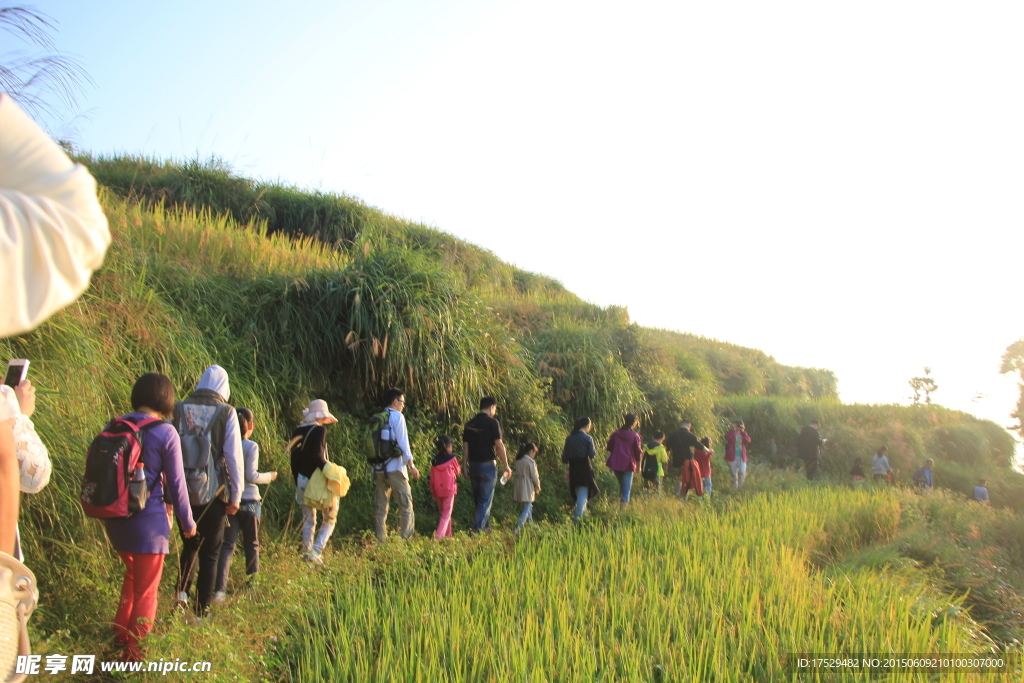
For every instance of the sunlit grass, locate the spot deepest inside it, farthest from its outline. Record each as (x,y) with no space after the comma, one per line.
(662,592)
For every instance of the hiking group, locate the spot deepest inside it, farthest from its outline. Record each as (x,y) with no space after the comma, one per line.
(194,461)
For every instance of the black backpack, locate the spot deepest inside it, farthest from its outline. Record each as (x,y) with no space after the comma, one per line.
(649,466)
(114,485)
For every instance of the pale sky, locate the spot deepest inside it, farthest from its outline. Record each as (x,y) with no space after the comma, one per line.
(837,184)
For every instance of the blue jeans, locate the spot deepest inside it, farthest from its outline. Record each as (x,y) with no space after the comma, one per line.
(625,484)
(707,486)
(526,516)
(582,494)
(482,475)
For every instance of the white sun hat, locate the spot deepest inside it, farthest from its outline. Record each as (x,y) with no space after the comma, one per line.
(317,409)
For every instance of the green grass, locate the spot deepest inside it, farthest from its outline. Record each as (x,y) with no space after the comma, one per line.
(662,592)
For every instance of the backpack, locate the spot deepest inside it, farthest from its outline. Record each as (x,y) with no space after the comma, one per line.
(649,467)
(114,485)
(298,443)
(204,473)
(378,448)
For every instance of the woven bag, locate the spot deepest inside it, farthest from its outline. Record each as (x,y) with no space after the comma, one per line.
(18,596)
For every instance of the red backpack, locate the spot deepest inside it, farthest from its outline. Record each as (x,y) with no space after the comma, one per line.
(114,484)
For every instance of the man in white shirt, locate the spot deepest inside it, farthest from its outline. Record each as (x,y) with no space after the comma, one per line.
(393,475)
(880,465)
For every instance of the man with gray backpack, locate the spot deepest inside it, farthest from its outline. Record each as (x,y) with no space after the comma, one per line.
(211,452)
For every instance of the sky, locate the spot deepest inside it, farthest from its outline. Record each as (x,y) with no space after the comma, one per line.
(837,184)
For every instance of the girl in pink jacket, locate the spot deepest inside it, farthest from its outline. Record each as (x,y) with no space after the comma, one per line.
(443,472)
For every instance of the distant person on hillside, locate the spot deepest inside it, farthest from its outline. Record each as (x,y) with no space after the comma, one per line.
(308,453)
(703,460)
(655,459)
(808,448)
(143,539)
(250,510)
(577,453)
(205,417)
(526,484)
(53,232)
(923,475)
(981,492)
(880,468)
(736,440)
(681,444)
(624,452)
(393,475)
(444,472)
(857,474)
(481,442)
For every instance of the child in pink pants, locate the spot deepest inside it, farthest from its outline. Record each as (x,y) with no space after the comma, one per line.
(443,485)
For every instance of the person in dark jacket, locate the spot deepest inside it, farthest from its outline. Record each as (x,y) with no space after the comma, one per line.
(808,448)
(579,472)
(680,445)
(308,448)
(483,443)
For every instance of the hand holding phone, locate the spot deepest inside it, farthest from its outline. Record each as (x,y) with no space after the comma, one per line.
(26,394)
(17,370)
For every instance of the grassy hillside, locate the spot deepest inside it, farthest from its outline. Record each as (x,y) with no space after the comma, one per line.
(319,296)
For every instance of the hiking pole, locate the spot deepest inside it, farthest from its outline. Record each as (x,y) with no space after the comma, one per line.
(208,505)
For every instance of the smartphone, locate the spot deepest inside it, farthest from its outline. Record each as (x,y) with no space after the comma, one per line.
(17,370)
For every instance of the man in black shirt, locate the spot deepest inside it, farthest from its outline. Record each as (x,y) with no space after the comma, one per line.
(680,445)
(808,448)
(481,440)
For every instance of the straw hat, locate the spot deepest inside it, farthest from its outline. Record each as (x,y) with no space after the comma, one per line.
(318,409)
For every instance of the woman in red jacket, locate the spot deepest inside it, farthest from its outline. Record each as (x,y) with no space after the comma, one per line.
(443,484)
(736,440)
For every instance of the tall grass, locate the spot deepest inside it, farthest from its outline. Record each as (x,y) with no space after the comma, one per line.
(663,593)
(524,299)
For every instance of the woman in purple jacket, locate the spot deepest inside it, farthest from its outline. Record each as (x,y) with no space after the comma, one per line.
(624,456)
(142,540)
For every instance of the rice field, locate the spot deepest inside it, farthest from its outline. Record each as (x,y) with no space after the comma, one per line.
(663,592)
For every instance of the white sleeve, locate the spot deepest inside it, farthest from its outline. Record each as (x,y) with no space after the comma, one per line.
(400,433)
(252,464)
(33,458)
(53,232)
(9,408)
(233,458)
